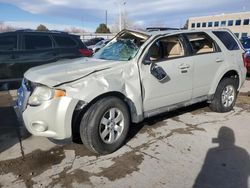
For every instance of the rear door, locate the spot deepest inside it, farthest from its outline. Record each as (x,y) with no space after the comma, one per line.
(207,58)
(36,49)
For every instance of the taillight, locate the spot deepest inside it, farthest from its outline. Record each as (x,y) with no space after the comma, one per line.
(244,56)
(85,52)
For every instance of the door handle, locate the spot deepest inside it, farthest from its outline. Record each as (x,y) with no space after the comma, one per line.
(218,60)
(184,66)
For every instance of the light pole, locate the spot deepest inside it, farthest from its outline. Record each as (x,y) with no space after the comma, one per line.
(120,3)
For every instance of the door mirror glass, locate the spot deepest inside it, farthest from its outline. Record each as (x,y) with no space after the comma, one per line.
(158,72)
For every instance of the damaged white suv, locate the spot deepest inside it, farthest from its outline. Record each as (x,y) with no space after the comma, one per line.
(135,76)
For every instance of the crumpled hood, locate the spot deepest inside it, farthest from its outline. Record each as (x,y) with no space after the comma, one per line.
(67,70)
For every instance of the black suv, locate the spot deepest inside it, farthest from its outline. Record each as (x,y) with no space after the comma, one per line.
(23,49)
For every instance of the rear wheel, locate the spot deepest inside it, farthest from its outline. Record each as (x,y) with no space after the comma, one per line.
(225,96)
(105,125)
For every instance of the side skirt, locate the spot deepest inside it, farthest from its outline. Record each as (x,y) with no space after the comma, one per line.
(169,108)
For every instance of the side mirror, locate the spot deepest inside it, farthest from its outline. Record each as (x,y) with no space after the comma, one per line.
(158,72)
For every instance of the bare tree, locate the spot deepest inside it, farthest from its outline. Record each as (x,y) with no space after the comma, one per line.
(74,30)
(6,28)
(125,22)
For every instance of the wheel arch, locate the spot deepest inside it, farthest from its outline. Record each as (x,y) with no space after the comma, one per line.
(79,111)
(227,74)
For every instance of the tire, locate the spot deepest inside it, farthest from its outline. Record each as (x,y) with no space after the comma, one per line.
(108,116)
(227,85)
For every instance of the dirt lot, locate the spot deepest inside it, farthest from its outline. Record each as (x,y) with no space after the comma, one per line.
(189,147)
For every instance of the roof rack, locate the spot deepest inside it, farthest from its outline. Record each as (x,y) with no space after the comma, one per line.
(24,30)
(32,30)
(160,29)
(57,31)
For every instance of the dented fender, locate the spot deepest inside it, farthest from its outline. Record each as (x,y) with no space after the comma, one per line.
(123,79)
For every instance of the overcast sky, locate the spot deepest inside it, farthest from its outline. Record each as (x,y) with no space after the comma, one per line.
(88,14)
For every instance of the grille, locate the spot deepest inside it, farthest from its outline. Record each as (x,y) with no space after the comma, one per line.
(29,85)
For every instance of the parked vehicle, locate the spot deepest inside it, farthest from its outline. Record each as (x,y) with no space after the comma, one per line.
(136,76)
(99,45)
(23,49)
(246,45)
(247,59)
(93,41)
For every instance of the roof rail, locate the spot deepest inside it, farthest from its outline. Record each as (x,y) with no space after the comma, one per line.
(56,31)
(32,30)
(161,28)
(24,30)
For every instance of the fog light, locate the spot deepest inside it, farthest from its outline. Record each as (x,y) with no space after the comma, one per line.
(40,126)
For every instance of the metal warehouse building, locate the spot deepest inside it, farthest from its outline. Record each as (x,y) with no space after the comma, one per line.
(238,23)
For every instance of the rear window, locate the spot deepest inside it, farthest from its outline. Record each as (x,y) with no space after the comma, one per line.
(8,43)
(64,41)
(37,42)
(227,39)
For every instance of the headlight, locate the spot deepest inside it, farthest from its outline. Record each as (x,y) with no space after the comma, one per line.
(44,93)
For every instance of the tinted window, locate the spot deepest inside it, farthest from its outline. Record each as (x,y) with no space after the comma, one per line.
(37,42)
(210,24)
(223,23)
(227,39)
(238,22)
(201,43)
(198,25)
(216,24)
(204,24)
(246,22)
(230,23)
(237,35)
(244,35)
(64,41)
(8,43)
(193,25)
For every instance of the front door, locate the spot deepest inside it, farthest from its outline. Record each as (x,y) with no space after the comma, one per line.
(170,54)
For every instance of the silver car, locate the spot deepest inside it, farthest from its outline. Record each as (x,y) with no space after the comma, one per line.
(99,45)
(136,76)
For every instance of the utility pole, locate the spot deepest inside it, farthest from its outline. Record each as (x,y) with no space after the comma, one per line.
(120,18)
(120,4)
(106,18)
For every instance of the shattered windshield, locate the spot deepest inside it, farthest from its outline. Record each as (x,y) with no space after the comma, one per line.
(122,48)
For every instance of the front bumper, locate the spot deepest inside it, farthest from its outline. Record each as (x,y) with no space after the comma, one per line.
(52,118)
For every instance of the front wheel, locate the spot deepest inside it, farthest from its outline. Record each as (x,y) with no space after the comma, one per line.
(225,96)
(105,125)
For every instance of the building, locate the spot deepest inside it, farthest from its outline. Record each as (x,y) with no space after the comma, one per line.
(238,23)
